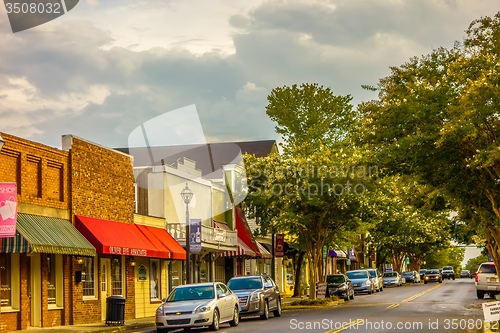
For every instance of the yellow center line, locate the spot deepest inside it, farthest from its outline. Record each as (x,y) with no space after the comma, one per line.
(392,306)
(346,325)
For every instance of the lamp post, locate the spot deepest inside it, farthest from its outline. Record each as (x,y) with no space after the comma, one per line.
(187,195)
(2,142)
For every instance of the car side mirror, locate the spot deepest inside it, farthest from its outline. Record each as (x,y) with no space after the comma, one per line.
(221,296)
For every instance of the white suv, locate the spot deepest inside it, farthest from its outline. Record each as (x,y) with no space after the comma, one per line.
(487,280)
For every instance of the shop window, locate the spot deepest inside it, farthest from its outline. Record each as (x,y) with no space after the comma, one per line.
(88,277)
(175,273)
(54,280)
(9,275)
(155,279)
(117,277)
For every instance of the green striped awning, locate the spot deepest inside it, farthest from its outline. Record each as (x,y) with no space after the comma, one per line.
(40,234)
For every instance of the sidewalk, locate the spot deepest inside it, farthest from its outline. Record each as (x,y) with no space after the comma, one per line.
(96,327)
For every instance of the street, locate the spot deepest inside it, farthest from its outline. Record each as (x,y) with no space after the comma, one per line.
(448,307)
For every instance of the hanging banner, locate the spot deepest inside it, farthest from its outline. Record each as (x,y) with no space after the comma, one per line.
(279,249)
(8,209)
(195,235)
(352,255)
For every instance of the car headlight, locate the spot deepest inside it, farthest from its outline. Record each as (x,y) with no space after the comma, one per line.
(254,297)
(202,309)
(159,311)
(344,287)
(366,283)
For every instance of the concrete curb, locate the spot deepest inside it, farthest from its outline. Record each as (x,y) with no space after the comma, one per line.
(288,307)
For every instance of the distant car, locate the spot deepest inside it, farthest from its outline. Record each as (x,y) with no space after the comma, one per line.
(195,305)
(376,279)
(339,285)
(392,279)
(448,272)
(422,273)
(409,276)
(361,281)
(433,275)
(465,274)
(257,294)
(487,280)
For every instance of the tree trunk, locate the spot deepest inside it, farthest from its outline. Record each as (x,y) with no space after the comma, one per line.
(298,275)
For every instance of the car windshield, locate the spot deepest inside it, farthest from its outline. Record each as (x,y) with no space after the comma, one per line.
(432,271)
(390,274)
(407,273)
(358,275)
(465,271)
(487,268)
(245,283)
(191,293)
(447,268)
(335,279)
(373,273)
(423,270)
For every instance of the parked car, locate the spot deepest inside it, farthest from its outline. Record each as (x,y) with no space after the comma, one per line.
(392,279)
(465,274)
(195,305)
(409,276)
(487,280)
(448,272)
(257,294)
(361,281)
(422,273)
(376,279)
(339,285)
(433,275)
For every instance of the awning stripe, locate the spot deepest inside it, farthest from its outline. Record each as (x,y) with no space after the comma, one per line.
(243,250)
(265,253)
(41,234)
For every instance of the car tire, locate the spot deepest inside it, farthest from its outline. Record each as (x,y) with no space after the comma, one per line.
(265,315)
(453,278)
(236,317)
(425,282)
(161,330)
(480,294)
(441,281)
(216,321)
(277,312)
(381,288)
(352,295)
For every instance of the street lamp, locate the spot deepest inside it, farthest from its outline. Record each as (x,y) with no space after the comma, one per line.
(187,195)
(2,142)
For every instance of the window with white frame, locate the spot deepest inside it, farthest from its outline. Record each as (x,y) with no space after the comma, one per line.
(88,277)
(10,281)
(54,280)
(117,276)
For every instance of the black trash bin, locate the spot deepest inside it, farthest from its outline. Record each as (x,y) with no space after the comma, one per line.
(115,311)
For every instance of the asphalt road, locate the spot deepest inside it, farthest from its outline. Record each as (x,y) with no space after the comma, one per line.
(448,307)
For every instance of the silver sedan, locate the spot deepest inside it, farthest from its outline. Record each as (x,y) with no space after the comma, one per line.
(201,304)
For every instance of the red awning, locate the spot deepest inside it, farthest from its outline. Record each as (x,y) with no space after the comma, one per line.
(244,231)
(242,251)
(119,238)
(162,236)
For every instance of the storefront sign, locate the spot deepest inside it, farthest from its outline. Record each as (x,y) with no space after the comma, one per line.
(321,293)
(195,235)
(491,311)
(125,251)
(279,249)
(219,235)
(142,273)
(8,209)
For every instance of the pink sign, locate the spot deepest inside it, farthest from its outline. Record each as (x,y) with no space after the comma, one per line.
(8,209)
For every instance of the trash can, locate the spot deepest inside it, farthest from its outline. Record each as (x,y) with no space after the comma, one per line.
(115,311)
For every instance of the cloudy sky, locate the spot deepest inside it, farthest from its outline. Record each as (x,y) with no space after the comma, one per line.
(109,66)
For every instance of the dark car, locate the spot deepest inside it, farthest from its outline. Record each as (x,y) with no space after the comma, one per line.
(409,276)
(433,275)
(257,294)
(465,274)
(339,285)
(422,273)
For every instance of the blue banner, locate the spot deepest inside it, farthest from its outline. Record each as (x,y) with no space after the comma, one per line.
(195,235)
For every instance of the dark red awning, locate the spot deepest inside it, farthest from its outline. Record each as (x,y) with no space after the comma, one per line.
(119,238)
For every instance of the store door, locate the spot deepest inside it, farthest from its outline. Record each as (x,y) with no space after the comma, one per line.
(36,290)
(105,285)
(28,273)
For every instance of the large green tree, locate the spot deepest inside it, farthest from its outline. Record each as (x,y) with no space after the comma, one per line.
(437,118)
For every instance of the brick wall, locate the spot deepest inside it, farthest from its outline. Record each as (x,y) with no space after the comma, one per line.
(89,310)
(40,171)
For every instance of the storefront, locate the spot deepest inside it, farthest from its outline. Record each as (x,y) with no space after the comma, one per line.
(134,261)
